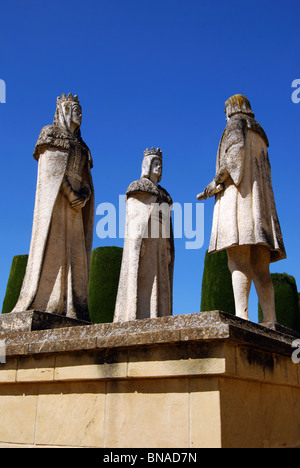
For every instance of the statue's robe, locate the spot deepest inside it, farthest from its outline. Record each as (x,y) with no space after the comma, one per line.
(57,273)
(245,212)
(146,279)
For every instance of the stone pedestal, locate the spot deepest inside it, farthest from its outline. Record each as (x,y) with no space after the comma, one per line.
(188,381)
(32,320)
(281,329)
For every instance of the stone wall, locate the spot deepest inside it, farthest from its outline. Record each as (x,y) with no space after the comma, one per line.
(201,380)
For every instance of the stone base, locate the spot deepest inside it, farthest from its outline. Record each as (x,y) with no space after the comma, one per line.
(32,320)
(203,380)
(280,328)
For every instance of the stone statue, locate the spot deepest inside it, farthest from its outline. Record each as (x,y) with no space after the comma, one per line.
(146,279)
(56,278)
(245,220)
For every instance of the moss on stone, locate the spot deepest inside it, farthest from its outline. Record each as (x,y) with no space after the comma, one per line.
(286,301)
(217,291)
(103,285)
(15,281)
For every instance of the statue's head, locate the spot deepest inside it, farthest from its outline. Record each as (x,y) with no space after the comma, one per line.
(238,104)
(152,165)
(68,112)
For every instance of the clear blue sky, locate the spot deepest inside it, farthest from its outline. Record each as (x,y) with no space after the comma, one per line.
(149,73)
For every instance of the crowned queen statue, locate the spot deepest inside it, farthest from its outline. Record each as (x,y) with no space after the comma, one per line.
(57,274)
(146,279)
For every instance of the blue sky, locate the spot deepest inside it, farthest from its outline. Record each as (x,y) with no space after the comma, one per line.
(149,73)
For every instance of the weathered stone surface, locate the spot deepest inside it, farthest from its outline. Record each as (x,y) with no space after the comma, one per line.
(245,220)
(201,380)
(57,273)
(32,320)
(201,327)
(281,329)
(146,279)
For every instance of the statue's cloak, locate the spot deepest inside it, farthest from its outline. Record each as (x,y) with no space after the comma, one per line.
(245,211)
(52,152)
(146,278)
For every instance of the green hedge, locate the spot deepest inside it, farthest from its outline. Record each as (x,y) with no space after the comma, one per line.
(104,280)
(217,291)
(103,285)
(286,301)
(15,281)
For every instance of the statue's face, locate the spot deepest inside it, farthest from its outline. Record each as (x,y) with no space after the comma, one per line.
(156,170)
(226,113)
(76,115)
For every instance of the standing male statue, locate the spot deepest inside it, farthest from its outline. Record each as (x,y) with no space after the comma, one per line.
(146,279)
(57,274)
(245,221)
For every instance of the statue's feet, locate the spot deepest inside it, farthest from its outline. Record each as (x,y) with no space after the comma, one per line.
(243,314)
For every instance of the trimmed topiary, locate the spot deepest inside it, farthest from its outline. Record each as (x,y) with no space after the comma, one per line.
(103,285)
(286,301)
(217,291)
(15,281)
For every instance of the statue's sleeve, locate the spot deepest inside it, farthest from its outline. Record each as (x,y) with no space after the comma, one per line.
(86,188)
(51,137)
(67,189)
(234,150)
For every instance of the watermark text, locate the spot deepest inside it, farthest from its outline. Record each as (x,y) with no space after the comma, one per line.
(158,220)
(296,353)
(2,352)
(296,93)
(2,92)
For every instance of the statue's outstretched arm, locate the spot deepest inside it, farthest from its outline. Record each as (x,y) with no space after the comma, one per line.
(215,186)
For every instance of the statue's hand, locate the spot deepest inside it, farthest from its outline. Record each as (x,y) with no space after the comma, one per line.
(201,196)
(79,202)
(212,189)
(80,199)
(208,191)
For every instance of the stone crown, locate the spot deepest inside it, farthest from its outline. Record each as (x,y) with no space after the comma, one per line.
(69,98)
(153,152)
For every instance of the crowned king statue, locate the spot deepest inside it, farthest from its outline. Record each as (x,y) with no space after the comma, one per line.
(146,279)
